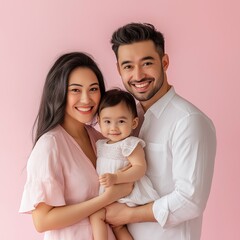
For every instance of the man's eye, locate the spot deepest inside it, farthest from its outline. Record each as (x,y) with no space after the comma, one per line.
(147,63)
(127,67)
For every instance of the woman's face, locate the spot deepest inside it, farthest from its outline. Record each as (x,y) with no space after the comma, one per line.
(83,96)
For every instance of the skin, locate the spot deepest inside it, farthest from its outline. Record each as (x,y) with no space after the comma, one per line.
(82,102)
(143,74)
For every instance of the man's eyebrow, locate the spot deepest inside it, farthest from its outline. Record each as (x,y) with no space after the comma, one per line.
(147,58)
(142,59)
(125,62)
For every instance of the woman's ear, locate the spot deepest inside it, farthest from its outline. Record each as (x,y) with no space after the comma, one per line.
(135,122)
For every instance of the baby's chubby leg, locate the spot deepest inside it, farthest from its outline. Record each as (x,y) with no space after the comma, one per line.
(99,226)
(122,233)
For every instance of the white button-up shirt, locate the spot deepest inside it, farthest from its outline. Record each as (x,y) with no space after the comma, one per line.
(180,152)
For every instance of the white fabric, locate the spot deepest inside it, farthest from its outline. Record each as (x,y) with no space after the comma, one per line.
(112,157)
(180,150)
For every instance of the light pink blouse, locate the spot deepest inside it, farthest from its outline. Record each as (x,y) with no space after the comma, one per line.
(59,173)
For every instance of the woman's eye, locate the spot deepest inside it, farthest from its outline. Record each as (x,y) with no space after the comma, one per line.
(94,89)
(74,90)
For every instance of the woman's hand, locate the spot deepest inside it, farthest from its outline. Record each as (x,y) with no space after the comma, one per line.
(118,191)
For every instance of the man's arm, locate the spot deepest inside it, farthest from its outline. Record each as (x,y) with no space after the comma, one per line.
(193,151)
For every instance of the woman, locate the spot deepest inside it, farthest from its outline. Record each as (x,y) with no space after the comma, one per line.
(62,185)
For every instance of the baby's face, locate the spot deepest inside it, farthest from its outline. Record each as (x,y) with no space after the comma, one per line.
(117,122)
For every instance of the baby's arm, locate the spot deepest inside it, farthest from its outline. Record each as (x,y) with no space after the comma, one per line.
(132,174)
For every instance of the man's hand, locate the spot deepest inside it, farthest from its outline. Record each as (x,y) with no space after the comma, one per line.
(108,179)
(118,214)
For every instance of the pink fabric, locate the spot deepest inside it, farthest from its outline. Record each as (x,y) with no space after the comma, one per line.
(59,173)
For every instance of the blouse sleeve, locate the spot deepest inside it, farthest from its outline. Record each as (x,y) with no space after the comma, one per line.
(45,182)
(129,144)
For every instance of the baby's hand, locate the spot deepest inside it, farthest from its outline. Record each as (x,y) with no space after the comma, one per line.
(108,179)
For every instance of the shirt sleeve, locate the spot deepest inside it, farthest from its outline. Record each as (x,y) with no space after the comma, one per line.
(193,150)
(45,182)
(129,144)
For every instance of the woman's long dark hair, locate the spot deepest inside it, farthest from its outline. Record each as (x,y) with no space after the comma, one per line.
(53,102)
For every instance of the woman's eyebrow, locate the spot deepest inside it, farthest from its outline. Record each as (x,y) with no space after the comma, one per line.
(79,85)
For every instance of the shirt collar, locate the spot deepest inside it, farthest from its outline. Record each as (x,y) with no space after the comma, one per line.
(158,107)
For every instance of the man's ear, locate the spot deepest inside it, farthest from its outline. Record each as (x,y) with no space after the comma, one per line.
(165,62)
(118,68)
(135,122)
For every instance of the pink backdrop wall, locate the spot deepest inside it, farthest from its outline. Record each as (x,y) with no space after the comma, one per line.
(202,40)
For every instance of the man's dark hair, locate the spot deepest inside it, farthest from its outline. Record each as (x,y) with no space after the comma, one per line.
(137,32)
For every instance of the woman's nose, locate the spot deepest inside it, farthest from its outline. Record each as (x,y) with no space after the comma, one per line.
(85,98)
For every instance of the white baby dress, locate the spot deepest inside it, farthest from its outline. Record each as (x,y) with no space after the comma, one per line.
(112,157)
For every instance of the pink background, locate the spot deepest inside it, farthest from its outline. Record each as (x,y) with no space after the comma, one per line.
(202,40)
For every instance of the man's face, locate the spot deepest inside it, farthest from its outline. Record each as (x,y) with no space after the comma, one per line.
(142,70)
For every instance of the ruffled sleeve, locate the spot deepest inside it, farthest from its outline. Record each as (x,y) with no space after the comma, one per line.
(45,181)
(129,144)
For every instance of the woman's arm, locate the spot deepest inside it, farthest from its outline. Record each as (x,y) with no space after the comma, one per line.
(47,217)
(132,174)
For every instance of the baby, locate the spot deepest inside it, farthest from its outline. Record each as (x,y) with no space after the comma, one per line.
(117,117)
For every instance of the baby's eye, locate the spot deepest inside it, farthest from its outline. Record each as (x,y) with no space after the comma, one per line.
(107,122)
(121,121)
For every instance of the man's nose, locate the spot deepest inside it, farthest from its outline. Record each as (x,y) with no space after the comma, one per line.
(138,73)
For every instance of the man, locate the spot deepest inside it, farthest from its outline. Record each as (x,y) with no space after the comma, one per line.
(180,142)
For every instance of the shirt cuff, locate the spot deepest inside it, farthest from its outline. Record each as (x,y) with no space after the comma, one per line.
(160,211)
